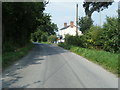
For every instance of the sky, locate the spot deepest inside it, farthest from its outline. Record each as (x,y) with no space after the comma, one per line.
(66,11)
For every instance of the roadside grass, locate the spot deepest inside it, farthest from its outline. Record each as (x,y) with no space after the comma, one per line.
(46,42)
(107,60)
(8,58)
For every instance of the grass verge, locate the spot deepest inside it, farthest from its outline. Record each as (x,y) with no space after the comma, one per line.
(8,58)
(45,42)
(106,59)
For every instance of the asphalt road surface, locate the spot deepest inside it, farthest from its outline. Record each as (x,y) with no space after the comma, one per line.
(49,66)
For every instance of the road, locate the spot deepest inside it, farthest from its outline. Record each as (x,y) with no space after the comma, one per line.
(49,66)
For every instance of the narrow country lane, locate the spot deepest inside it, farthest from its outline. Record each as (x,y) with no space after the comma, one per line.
(49,66)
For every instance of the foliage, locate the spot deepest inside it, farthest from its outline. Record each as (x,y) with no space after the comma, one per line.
(105,38)
(110,35)
(19,20)
(52,38)
(46,25)
(90,7)
(44,37)
(45,29)
(39,36)
(92,39)
(85,23)
(71,40)
(64,45)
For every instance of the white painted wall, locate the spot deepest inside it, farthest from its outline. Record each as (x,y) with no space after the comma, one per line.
(70,31)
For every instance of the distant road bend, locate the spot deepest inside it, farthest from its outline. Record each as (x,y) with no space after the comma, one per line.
(49,66)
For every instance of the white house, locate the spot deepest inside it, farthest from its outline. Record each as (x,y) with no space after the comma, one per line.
(68,29)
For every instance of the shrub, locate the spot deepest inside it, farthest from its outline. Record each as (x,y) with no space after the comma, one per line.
(64,45)
(110,34)
(39,36)
(44,37)
(73,40)
(92,39)
(52,38)
(105,38)
(85,23)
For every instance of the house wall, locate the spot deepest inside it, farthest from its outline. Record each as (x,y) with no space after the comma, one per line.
(70,31)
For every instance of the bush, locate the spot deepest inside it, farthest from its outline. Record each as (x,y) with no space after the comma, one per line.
(73,40)
(110,35)
(92,39)
(105,38)
(39,36)
(52,38)
(44,37)
(33,37)
(85,23)
(64,45)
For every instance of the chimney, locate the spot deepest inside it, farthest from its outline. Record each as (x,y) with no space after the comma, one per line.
(65,24)
(71,24)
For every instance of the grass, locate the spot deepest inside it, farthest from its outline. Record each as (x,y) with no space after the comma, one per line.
(106,59)
(8,58)
(46,42)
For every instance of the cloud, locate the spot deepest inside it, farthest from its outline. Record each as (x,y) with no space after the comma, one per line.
(66,11)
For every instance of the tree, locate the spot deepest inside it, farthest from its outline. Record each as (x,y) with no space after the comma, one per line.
(90,7)
(44,36)
(39,36)
(19,21)
(46,25)
(85,23)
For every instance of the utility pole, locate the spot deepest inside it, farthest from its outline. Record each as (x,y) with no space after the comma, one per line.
(76,19)
(100,19)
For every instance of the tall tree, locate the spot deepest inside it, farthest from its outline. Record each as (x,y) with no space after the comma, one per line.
(19,20)
(46,25)
(90,7)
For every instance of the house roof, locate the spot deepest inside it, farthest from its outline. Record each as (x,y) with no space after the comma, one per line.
(65,27)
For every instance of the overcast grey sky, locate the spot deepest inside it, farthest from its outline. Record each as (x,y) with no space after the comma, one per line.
(66,11)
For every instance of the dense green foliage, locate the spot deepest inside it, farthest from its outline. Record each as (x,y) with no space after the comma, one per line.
(52,38)
(92,39)
(110,35)
(105,38)
(106,59)
(39,36)
(46,25)
(85,23)
(90,7)
(72,40)
(20,19)
(44,30)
